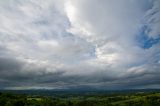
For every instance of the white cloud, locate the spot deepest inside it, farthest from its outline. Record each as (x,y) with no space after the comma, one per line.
(111,26)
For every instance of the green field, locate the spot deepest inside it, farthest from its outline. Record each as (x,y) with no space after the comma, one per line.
(90,99)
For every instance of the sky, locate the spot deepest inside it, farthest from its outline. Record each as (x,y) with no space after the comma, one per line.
(79,44)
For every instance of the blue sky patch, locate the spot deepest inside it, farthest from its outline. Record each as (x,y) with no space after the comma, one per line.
(145,41)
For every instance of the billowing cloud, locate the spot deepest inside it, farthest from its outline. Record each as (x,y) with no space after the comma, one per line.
(79,44)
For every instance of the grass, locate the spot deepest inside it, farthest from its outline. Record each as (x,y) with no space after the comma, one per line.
(136,99)
(35,98)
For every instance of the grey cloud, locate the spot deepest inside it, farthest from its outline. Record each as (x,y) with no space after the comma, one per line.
(77,44)
(152,20)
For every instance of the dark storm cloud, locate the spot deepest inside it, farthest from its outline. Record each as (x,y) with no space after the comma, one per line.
(9,65)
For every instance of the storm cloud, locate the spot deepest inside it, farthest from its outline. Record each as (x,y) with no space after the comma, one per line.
(68,44)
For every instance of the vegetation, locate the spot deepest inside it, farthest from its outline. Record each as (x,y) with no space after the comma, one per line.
(90,99)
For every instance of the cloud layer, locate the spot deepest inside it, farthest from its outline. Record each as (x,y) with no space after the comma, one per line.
(79,44)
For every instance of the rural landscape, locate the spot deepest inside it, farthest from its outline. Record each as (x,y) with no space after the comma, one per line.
(80,98)
(79,52)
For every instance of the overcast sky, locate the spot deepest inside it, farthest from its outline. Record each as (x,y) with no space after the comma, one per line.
(79,44)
